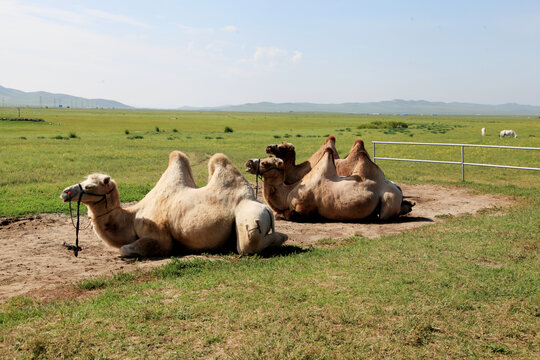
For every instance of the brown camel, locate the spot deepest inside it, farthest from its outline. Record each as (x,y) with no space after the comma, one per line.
(323,193)
(175,210)
(286,152)
(294,173)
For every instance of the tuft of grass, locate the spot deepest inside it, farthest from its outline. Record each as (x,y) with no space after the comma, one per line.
(174,130)
(228,129)
(126,132)
(178,267)
(499,349)
(135,137)
(73,135)
(157,129)
(384,125)
(92,284)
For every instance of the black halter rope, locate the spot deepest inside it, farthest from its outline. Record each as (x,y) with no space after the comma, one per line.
(259,174)
(77,248)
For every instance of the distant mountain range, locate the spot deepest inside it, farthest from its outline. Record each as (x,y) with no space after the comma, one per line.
(384,107)
(12,97)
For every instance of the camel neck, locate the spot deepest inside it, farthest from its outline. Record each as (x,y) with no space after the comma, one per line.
(275,193)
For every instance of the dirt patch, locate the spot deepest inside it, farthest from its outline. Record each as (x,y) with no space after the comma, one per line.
(34,262)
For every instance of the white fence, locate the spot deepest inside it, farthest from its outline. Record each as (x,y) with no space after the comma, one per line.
(462,162)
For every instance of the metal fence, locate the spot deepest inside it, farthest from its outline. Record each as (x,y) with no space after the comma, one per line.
(462,162)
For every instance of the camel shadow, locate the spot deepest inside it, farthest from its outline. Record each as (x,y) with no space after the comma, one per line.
(283,250)
(372,219)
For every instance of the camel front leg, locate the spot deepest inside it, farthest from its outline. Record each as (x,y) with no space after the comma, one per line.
(147,247)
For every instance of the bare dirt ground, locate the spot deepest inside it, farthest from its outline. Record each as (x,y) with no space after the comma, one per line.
(33,261)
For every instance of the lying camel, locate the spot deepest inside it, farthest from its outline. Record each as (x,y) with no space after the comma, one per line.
(287,153)
(175,210)
(322,192)
(294,173)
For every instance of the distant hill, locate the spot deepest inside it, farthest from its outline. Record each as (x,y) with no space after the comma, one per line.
(384,107)
(12,97)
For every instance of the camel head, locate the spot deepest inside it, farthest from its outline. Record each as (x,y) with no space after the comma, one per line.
(264,166)
(283,151)
(91,191)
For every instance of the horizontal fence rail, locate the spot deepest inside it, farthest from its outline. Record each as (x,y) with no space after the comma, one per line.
(462,162)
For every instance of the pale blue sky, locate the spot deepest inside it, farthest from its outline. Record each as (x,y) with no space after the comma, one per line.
(168,54)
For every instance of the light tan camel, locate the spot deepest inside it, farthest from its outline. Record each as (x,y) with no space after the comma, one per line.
(323,193)
(286,152)
(175,210)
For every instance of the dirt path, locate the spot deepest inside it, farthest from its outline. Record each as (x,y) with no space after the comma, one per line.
(34,262)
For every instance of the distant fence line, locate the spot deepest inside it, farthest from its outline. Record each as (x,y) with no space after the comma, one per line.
(462,162)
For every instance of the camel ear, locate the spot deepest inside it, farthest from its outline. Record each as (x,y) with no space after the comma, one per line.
(106,180)
(279,164)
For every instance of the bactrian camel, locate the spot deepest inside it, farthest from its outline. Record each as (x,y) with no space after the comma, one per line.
(286,152)
(293,173)
(323,193)
(175,210)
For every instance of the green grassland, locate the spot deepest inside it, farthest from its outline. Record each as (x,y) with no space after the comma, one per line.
(39,159)
(465,288)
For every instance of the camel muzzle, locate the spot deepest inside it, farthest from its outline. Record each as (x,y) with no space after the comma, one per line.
(252,165)
(270,149)
(69,193)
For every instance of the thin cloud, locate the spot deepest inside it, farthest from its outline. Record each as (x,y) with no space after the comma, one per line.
(196,31)
(297,56)
(115,18)
(229,28)
(272,57)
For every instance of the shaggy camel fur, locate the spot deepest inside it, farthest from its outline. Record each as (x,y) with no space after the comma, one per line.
(175,210)
(322,192)
(286,152)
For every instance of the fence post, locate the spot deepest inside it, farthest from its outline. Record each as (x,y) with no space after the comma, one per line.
(374,152)
(462,165)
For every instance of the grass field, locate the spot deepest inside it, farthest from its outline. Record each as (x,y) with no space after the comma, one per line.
(466,288)
(39,159)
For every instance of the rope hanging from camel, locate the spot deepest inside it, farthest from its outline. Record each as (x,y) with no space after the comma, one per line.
(76,248)
(257,175)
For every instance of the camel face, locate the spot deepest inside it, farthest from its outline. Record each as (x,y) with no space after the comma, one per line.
(280,150)
(92,189)
(262,166)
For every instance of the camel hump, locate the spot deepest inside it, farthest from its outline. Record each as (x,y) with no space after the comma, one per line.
(360,144)
(331,138)
(178,156)
(218,160)
(330,153)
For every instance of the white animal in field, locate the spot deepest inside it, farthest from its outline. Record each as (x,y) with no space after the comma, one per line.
(483,131)
(508,133)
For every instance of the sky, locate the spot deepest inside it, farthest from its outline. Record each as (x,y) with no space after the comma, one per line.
(170,54)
